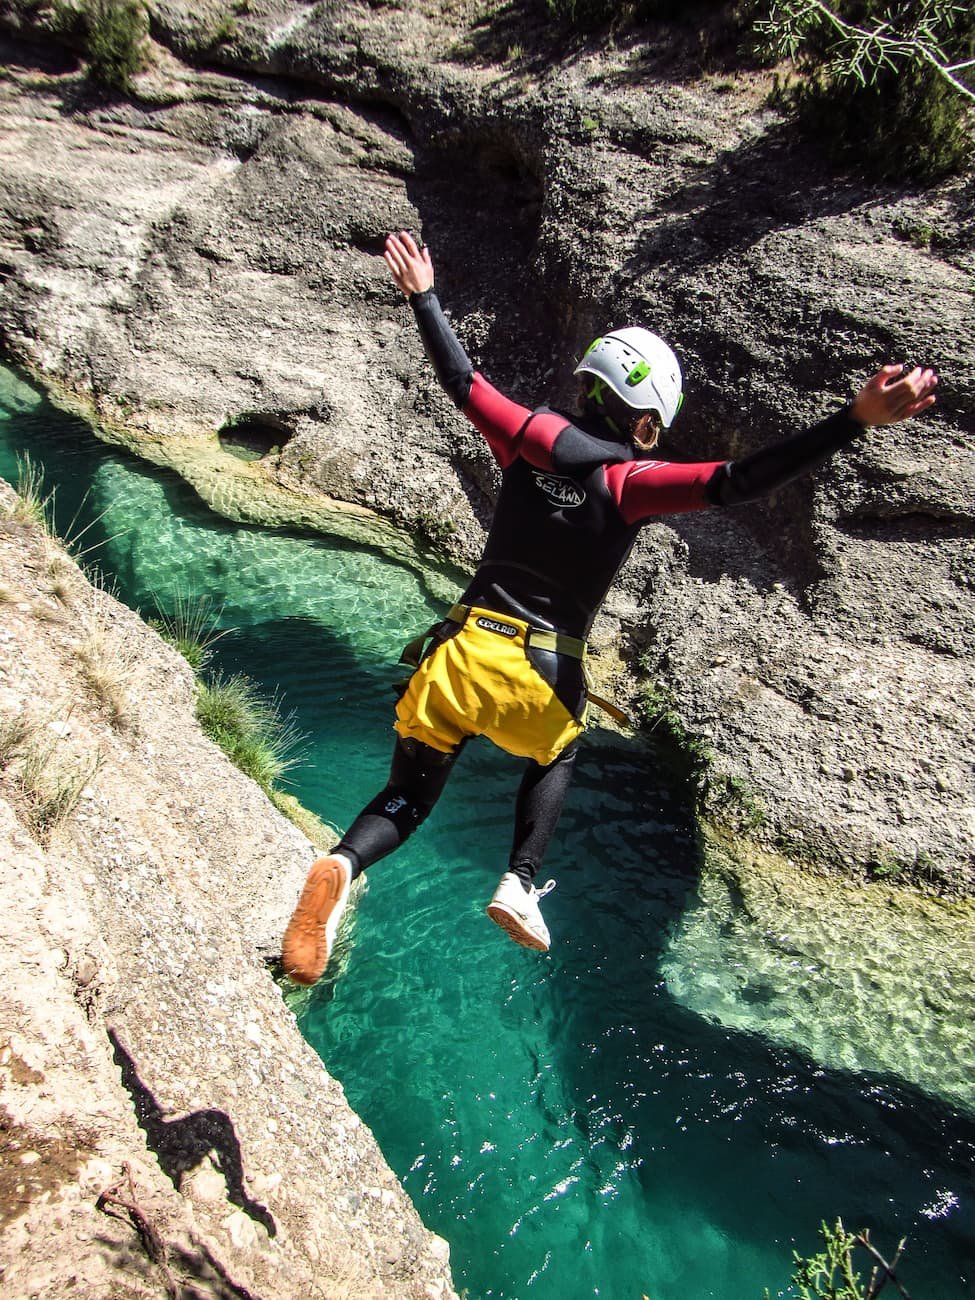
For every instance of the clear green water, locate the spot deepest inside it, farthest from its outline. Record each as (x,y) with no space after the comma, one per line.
(578,1124)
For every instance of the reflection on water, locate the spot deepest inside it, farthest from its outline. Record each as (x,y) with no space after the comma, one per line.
(664,1105)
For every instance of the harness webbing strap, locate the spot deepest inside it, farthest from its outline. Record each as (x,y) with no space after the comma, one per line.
(413,650)
(614,711)
(557,642)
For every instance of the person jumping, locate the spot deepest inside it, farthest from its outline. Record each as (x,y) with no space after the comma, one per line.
(509,660)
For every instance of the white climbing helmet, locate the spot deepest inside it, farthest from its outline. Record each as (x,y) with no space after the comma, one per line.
(640,369)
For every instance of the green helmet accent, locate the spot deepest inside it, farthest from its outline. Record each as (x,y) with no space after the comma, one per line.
(639,367)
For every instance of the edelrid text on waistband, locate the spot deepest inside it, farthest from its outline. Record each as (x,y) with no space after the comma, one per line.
(492,625)
(539,637)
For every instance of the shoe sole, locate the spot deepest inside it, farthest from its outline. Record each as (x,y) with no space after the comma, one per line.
(305,947)
(515,927)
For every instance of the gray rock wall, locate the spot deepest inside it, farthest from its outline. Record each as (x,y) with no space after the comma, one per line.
(208,252)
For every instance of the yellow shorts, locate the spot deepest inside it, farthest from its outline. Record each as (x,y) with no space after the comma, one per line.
(481,682)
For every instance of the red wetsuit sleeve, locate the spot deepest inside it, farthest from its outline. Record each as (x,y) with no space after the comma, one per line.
(644,488)
(500,420)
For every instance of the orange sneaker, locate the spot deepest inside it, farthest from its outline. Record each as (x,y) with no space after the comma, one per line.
(311,931)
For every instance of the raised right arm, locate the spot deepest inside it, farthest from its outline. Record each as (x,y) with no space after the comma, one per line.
(496,417)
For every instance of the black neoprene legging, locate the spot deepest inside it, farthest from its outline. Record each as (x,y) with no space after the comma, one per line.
(417,778)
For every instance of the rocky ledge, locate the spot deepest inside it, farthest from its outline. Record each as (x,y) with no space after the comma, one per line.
(164,1128)
(197,263)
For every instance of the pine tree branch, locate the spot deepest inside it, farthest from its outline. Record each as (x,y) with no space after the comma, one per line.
(790,23)
(863,1239)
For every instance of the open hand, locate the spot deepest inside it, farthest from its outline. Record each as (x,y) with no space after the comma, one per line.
(411,266)
(891,395)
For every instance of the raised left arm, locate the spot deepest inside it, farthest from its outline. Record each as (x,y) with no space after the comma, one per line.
(888,397)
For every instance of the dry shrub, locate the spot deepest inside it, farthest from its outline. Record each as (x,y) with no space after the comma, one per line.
(106,658)
(47,775)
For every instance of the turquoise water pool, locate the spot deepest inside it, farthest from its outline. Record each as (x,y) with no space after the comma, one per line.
(568,1122)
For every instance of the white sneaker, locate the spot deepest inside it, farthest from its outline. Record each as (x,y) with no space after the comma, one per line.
(517,912)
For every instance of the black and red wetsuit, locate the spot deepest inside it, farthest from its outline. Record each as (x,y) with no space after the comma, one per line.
(572,501)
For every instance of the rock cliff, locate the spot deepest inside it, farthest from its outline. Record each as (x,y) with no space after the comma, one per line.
(198,262)
(164,1128)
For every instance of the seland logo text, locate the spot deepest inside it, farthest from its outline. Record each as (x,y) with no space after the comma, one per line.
(564,492)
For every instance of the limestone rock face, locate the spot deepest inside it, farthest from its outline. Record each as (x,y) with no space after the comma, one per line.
(164,1128)
(203,256)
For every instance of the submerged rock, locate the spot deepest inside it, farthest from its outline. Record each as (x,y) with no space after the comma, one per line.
(870,979)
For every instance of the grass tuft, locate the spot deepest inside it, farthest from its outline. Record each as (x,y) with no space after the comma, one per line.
(32,505)
(14,732)
(191,628)
(249,728)
(48,778)
(105,659)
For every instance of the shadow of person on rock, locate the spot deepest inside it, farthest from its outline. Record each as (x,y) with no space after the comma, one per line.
(182,1144)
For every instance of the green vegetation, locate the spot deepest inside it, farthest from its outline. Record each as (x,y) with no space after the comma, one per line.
(832,1275)
(589,14)
(657,713)
(862,37)
(32,505)
(877,88)
(738,802)
(191,629)
(225,29)
(436,528)
(114,34)
(885,866)
(921,869)
(249,728)
(888,90)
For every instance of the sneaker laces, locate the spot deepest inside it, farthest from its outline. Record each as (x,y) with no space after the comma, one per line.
(545,889)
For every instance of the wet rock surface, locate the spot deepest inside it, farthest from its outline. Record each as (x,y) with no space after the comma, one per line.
(205,253)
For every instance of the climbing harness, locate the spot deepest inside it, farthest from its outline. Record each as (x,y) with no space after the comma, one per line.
(539,638)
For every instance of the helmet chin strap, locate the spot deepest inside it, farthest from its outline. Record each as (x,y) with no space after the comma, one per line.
(597,390)
(595,394)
